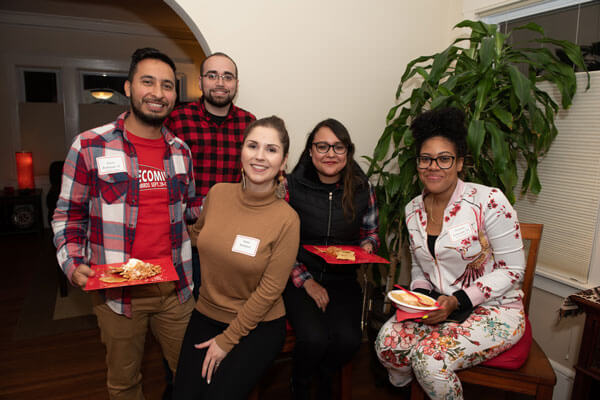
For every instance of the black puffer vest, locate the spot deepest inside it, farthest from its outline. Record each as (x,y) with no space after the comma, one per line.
(322,219)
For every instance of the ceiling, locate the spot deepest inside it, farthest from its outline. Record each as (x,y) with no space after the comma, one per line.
(152,12)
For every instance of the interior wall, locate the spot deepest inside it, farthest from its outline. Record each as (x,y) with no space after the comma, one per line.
(310,60)
(560,339)
(39,134)
(83,45)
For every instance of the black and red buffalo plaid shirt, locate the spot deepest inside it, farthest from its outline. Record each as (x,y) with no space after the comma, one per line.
(215,147)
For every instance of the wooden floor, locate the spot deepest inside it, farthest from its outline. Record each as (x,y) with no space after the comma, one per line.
(71,365)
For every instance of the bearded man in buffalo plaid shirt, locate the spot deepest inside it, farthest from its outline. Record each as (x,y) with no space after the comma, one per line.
(213,128)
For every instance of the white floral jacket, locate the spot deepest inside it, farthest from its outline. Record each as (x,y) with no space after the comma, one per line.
(479,249)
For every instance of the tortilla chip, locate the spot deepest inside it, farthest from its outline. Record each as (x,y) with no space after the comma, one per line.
(112,279)
(339,253)
(345,255)
(115,270)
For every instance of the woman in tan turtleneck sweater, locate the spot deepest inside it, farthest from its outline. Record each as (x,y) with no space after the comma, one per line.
(247,238)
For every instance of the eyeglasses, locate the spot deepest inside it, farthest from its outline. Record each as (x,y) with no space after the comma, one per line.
(444,162)
(212,76)
(323,147)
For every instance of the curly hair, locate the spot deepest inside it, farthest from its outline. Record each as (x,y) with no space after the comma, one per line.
(448,123)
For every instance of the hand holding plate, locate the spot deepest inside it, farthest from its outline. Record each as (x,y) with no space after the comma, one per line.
(447,305)
(81,275)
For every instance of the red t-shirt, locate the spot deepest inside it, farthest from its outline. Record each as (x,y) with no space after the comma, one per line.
(152,238)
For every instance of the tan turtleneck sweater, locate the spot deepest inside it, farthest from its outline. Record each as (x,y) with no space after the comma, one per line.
(240,289)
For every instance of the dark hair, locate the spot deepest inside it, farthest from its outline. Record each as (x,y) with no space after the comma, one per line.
(273,122)
(448,123)
(349,176)
(220,55)
(145,53)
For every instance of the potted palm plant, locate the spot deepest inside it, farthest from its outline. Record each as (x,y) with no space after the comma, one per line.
(509,117)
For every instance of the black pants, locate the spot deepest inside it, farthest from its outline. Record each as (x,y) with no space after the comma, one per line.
(324,340)
(239,371)
(195,272)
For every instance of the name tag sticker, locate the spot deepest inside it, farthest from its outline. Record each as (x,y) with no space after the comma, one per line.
(110,165)
(245,245)
(460,232)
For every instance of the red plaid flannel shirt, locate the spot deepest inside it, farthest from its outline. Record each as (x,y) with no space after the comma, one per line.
(215,147)
(95,217)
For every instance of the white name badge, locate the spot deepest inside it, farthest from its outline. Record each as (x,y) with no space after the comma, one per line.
(460,232)
(110,165)
(245,245)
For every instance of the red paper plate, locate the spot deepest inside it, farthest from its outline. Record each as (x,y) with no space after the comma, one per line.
(168,274)
(362,257)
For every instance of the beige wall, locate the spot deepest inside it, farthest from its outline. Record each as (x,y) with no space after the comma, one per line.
(306,61)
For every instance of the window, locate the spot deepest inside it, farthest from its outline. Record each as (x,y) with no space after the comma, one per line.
(39,85)
(578,24)
(108,88)
(569,203)
(103,88)
(570,197)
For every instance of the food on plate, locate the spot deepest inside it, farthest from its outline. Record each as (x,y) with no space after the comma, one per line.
(407,299)
(134,269)
(112,279)
(115,270)
(339,253)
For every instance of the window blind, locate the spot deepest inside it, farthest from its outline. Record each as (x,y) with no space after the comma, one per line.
(569,202)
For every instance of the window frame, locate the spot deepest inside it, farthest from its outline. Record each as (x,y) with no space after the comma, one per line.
(180,77)
(21,70)
(554,283)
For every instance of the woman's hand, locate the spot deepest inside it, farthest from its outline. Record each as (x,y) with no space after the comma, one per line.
(447,304)
(368,247)
(317,292)
(214,356)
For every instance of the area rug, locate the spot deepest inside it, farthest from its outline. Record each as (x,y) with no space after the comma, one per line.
(45,313)
(76,304)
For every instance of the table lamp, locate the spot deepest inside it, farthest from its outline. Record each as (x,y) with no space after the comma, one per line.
(25,169)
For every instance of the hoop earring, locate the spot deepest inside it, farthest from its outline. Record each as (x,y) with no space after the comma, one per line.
(280,190)
(243,180)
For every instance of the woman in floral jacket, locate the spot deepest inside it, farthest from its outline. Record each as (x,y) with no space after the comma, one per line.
(467,252)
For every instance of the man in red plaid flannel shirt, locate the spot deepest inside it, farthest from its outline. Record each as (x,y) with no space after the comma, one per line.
(213,128)
(127,192)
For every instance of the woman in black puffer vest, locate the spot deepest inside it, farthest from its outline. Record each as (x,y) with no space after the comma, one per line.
(336,205)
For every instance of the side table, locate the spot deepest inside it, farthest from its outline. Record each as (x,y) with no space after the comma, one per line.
(587,369)
(21,211)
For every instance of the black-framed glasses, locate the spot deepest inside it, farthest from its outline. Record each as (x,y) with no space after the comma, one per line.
(323,147)
(213,76)
(443,162)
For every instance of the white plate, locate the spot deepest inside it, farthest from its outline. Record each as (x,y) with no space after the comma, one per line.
(397,295)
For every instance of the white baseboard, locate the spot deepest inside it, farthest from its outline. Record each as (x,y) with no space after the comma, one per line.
(564,381)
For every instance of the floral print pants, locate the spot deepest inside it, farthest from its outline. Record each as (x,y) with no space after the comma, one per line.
(433,352)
